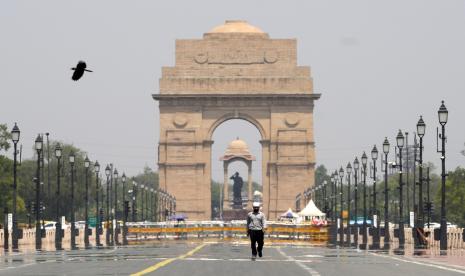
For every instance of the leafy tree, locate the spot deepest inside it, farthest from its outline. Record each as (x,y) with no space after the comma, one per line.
(27,173)
(455,197)
(148,178)
(215,201)
(6,186)
(5,137)
(321,175)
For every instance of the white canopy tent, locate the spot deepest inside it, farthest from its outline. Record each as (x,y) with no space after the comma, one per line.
(289,214)
(311,211)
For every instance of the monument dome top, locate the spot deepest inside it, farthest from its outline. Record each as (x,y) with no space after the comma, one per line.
(237,148)
(236,26)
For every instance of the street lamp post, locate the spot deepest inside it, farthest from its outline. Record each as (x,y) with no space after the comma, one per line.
(443,114)
(125,211)
(400,145)
(115,211)
(15,133)
(142,186)
(335,213)
(98,222)
(428,202)
(58,227)
(387,236)
(107,234)
(356,167)
(38,147)
(364,228)
(375,222)
(146,202)
(73,226)
(348,233)
(421,129)
(134,197)
(86,196)
(341,228)
(151,204)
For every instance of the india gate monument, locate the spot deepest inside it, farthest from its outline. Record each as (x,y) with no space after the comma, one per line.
(236,71)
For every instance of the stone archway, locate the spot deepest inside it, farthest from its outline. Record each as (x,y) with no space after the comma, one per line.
(235,72)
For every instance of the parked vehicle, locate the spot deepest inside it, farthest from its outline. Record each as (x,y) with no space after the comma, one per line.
(433,225)
(50,225)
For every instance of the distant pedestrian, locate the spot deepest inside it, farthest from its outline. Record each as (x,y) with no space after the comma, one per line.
(256,224)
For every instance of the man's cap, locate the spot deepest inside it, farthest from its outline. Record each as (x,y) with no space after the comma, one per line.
(256,204)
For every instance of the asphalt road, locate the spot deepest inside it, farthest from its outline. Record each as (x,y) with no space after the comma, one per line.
(205,259)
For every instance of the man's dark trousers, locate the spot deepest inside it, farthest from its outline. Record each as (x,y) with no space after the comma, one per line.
(256,237)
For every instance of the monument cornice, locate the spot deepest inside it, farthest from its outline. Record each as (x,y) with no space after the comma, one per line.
(291,164)
(173,164)
(238,99)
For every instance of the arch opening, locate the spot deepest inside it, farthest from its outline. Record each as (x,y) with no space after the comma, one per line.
(225,132)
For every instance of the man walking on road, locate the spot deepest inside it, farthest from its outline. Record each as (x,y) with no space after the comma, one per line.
(256,224)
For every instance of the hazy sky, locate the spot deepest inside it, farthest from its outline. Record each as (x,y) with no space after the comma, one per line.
(378,65)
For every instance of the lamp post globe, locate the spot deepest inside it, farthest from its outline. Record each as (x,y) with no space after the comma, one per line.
(349,168)
(107,170)
(400,139)
(58,151)
(386,146)
(15,133)
(421,127)
(38,143)
(72,158)
(374,153)
(443,114)
(364,159)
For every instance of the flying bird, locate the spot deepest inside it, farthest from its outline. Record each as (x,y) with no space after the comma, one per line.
(79,70)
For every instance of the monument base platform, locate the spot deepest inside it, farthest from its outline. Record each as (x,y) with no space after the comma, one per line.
(235,214)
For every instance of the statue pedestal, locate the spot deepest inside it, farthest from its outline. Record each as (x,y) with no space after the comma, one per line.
(235,214)
(237,204)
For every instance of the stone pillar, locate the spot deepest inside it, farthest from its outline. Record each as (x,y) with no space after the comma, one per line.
(249,182)
(226,205)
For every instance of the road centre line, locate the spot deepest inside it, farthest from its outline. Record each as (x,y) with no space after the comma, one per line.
(422,263)
(167,261)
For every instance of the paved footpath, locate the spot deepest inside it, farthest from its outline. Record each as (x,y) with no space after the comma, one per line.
(208,259)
